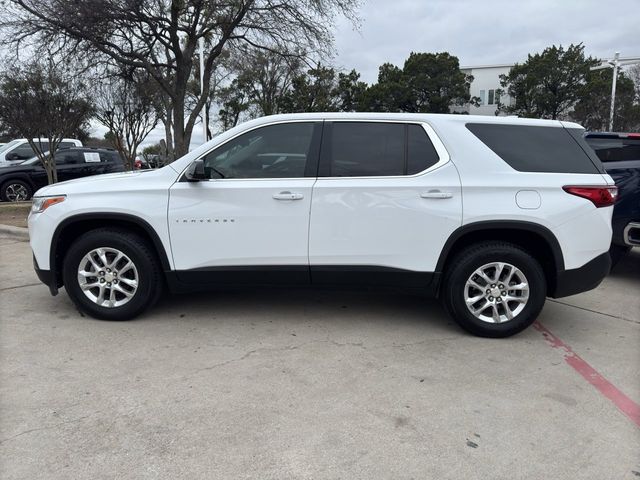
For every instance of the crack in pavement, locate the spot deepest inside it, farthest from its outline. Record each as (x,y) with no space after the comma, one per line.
(630,320)
(49,427)
(332,342)
(19,286)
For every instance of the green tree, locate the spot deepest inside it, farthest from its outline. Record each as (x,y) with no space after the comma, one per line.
(427,83)
(548,84)
(592,110)
(235,102)
(390,94)
(314,91)
(350,92)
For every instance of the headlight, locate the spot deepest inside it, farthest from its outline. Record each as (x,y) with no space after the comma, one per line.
(40,204)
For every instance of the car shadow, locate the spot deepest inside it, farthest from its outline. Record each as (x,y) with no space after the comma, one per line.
(628,268)
(303,304)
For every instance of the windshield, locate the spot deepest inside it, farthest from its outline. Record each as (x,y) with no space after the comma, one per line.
(7,146)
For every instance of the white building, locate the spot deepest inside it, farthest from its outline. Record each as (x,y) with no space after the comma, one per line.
(486,81)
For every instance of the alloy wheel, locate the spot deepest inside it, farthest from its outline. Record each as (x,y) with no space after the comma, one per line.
(16,192)
(108,277)
(496,292)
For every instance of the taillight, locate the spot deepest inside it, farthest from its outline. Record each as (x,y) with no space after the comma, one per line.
(599,196)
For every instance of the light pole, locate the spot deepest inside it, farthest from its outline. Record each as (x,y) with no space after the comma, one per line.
(615,64)
(204,107)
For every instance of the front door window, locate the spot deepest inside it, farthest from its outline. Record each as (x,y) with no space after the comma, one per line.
(274,151)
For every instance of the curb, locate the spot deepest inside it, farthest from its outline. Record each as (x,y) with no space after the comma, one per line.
(19,233)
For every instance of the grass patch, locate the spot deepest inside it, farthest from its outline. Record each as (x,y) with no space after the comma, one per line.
(14,213)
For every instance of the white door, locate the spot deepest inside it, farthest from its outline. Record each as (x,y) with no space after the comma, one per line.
(252,215)
(386,201)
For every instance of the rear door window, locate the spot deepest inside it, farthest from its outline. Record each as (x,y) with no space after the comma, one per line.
(67,157)
(378,149)
(111,157)
(528,148)
(360,149)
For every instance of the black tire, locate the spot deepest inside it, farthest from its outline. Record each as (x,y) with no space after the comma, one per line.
(10,186)
(466,262)
(150,279)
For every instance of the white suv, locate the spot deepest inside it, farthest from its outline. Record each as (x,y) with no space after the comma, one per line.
(19,150)
(490,214)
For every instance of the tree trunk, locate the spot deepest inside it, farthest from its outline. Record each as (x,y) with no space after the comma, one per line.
(169,155)
(47,168)
(181,138)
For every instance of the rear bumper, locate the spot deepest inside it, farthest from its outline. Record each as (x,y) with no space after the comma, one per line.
(47,277)
(578,280)
(631,234)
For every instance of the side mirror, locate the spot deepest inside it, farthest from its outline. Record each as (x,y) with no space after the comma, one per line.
(196,172)
(12,156)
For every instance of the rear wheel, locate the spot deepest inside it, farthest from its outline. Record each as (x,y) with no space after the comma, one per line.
(494,289)
(15,191)
(112,274)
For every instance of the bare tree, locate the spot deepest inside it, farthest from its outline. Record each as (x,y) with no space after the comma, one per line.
(128,107)
(256,83)
(45,103)
(268,76)
(161,37)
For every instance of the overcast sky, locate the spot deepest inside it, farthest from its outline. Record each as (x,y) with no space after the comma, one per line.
(483,32)
(478,32)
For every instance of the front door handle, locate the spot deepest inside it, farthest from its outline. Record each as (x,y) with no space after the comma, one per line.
(436,194)
(288,196)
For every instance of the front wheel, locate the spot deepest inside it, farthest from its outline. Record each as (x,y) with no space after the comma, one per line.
(494,289)
(112,274)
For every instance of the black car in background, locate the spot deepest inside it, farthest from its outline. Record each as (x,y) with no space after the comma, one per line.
(620,155)
(19,182)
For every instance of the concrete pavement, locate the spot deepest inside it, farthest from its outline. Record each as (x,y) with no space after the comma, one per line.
(310,384)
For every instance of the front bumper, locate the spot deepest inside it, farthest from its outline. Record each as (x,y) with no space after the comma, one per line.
(47,277)
(578,280)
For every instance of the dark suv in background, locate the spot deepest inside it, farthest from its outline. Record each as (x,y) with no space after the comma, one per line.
(19,182)
(620,155)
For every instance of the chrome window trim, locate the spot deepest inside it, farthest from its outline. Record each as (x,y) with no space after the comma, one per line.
(441,150)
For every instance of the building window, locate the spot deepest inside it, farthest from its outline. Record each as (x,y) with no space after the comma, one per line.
(492,97)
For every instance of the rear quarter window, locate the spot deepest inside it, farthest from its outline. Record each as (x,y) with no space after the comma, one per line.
(528,148)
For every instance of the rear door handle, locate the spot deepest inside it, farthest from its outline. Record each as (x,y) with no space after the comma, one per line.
(436,194)
(288,196)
